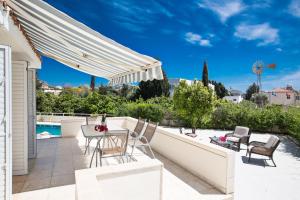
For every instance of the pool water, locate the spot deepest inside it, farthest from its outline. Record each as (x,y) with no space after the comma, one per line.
(54,130)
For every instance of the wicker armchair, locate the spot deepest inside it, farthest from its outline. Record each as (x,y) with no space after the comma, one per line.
(264,149)
(241,135)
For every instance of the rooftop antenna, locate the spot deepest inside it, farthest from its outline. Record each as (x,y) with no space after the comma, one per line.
(258,68)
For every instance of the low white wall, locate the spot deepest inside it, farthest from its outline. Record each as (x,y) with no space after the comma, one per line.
(71,127)
(56,119)
(209,162)
(121,182)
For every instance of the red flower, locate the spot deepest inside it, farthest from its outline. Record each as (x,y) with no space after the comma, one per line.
(101,128)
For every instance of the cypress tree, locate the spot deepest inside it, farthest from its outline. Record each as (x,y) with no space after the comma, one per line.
(92,85)
(205,75)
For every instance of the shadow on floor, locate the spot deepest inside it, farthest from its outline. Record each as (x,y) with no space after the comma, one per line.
(262,162)
(288,146)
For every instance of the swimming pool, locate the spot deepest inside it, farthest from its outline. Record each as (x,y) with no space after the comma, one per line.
(48,130)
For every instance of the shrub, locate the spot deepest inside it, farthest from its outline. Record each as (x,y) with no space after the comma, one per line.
(147,111)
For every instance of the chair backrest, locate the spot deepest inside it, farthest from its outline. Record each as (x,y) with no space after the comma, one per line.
(116,140)
(272,142)
(241,131)
(139,126)
(149,132)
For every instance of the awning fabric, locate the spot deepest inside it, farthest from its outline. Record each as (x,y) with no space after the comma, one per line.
(70,42)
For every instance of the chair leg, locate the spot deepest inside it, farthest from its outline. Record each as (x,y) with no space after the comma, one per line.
(273,161)
(93,157)
(96,156)
(249,157)
(153,156)
(133,146)
(87,146)
(100,159)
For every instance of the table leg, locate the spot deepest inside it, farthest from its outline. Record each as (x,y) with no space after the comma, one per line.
(95,150)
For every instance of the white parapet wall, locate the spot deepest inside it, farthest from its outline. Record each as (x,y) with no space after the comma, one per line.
(121,182)
(209,162)
(71,127)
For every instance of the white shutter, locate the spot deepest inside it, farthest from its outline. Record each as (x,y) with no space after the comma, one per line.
(31,114)
(5,123)
(19,118)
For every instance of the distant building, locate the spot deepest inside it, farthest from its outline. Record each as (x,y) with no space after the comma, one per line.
(174,82)
(234,96)
(44,86)
(53,90)
(283,96)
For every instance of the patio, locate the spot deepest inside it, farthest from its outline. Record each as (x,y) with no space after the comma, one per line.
(57,159)
(255,181)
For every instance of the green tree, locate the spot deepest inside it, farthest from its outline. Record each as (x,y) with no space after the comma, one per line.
(252,89)
(220,89)
(45,101)
(92,85)
(260,99)
(193,103)
(154,88)
(124,90)
(205,75)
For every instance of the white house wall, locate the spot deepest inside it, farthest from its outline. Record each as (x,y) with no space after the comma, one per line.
(19,118)
(5,125)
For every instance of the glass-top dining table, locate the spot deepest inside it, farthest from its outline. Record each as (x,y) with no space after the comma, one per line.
(90,133)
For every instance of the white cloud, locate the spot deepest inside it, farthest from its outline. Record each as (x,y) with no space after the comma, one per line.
(197,39)
(263,33)
(294,8)
(224,9)
(278,49)
(292,78)
(137,16)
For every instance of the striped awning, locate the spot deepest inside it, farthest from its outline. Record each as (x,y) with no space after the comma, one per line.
(58,36)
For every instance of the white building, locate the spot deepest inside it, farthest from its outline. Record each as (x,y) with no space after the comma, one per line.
(174,82)
(283,96)
(234,99)
(31,28)
(235,96)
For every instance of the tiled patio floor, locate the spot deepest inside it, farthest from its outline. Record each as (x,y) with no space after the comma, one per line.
(254,180)
(57,159)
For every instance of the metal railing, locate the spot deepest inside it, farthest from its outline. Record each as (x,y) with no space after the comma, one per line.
(73,114)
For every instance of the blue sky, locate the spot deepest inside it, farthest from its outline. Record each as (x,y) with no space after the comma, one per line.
(229,35)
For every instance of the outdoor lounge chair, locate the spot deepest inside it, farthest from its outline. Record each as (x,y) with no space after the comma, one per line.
(182,131)
(113,145)
(145,139)
(138,128)
(264,149)
(240,135)
(90,120)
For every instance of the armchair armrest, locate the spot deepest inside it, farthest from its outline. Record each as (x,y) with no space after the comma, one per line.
(256,143)
(229,134)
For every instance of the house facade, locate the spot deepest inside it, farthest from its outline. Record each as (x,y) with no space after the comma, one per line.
(283,96)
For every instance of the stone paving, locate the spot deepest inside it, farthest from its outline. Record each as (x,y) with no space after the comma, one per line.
(254,180)
(57,159)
